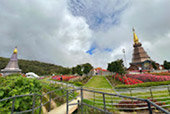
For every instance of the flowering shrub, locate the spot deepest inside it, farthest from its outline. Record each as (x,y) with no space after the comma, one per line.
(64,78)
(131,81)
(127,80)
(149,77)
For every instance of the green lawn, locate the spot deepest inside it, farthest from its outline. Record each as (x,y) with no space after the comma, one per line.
(98,82)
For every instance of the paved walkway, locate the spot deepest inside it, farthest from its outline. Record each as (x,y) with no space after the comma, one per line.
(62,108)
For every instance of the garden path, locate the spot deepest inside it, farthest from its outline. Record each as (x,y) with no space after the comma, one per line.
(98,82)
(62,109)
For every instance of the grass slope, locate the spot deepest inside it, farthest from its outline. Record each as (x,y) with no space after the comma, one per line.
(98,82)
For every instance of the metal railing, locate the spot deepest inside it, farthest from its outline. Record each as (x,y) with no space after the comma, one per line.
(66,93)
(150,105)
(34,96)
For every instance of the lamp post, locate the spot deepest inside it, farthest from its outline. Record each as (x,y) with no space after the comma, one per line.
(123,50)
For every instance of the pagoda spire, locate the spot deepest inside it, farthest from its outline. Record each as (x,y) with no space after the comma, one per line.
(15,50)
(140,59)
(135,38)
(12,66)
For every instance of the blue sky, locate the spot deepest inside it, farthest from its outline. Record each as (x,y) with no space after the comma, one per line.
(98,17)
(98,14)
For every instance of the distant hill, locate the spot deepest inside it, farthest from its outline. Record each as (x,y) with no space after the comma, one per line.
(37,67)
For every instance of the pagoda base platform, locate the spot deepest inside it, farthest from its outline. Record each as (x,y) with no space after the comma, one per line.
(146,65)
(9,72)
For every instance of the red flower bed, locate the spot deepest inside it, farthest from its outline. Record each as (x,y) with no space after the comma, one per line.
(64,78)
(149,77)
(127,80)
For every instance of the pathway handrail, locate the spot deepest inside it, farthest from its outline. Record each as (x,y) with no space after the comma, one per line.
(160,108)
(115,95)
(150,104)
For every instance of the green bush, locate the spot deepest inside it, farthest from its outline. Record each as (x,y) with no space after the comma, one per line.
(146,84)
(18,85)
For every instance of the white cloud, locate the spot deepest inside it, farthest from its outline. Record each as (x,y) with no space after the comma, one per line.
(51,31)
(44,30)
(151,21)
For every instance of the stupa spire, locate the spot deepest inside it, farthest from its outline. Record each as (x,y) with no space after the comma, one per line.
(140,59)
(12,66)
(135,38)
(15,50)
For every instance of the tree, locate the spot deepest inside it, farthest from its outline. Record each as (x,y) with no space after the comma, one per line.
(65,71)
(86,68)
(73,70)
(116,67)
(78,70)
(166,65)
(154,65)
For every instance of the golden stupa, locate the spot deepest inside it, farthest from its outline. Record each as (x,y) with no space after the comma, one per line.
(15,50)
(135,38)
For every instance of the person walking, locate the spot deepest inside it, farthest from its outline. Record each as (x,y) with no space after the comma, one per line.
(61,79)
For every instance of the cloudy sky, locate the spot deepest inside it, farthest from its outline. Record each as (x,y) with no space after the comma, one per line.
(71,32)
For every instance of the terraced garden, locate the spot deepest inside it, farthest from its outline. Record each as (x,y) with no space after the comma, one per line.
(100,83)
(113,103)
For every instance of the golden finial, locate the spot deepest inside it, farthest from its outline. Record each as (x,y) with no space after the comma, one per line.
(135,38)
(15,50)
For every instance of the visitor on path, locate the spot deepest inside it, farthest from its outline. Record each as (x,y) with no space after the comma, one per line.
(61,79)
(140,70)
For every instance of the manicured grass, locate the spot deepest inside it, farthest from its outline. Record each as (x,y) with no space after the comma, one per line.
(98,82)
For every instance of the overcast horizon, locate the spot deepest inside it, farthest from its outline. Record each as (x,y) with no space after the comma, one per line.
(71,32)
